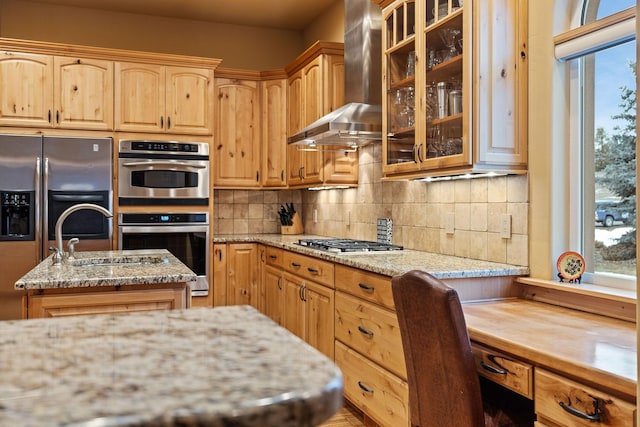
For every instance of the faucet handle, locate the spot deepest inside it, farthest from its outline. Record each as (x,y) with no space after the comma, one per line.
(57,256)
(71,250)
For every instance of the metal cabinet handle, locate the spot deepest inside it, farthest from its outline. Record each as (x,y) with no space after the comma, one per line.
(280,283)
(366,287)
(596,417)
(493,369)
(365,388)
(365,331)
(161,122)
(313,270)
(168,122)
(295,265)
(273,256)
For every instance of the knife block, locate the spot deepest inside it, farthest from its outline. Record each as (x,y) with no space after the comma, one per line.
(296,228)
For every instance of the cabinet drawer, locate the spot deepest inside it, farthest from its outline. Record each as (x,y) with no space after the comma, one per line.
(370,286)
(309,268)
(274,256)
(370,330)
(504,370)
(557,397)
(375,391)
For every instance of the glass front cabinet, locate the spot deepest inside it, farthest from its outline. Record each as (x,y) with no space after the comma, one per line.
(454,75)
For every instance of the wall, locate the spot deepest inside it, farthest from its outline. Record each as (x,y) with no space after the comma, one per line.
(238,46)
(417,209)
(329,26)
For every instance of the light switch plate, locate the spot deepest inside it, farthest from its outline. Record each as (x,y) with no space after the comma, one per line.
(505,226)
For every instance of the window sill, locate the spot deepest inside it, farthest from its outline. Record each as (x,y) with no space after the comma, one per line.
(603,300)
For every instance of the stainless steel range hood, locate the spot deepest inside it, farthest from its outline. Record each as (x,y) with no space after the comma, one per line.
(359,121)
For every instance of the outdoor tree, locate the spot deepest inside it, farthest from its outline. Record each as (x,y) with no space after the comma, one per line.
(615,160)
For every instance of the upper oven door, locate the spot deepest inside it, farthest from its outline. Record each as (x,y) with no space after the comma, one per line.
(183,181)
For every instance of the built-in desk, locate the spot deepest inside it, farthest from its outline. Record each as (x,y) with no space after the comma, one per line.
(577,358)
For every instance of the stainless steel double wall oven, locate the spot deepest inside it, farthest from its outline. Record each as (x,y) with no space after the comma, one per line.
(166,173)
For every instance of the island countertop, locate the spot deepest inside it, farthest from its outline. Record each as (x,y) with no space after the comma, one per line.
(108,268)
(215,367)
(388,263)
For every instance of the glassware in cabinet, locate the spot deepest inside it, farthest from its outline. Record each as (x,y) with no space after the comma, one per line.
(400,83)
(444,70)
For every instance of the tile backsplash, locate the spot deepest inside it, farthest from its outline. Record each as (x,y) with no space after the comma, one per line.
(460,217)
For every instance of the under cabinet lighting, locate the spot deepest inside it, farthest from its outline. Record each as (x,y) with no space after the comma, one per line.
(462,176)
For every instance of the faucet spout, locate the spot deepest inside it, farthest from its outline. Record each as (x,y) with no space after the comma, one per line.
(68,212)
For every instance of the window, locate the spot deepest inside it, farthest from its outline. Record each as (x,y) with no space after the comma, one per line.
(601,54)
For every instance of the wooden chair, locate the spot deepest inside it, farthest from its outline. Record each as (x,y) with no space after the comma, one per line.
(444,388)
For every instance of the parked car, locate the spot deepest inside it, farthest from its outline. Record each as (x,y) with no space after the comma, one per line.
(608,211)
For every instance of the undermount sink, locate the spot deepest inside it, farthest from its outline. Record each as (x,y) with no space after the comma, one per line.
(118,261)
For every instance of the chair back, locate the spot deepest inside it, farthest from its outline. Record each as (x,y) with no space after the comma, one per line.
(444,389)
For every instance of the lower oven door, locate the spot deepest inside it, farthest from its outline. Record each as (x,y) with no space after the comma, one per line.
(188,243)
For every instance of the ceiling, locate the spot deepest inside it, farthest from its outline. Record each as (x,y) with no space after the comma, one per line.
(282,14)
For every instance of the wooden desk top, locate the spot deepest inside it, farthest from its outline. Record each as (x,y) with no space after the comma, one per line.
(596,350)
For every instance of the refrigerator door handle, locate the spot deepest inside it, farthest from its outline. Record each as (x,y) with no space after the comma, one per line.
(38,211)
(45,209)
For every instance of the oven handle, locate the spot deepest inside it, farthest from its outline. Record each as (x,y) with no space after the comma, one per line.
(155,162)
(162,228)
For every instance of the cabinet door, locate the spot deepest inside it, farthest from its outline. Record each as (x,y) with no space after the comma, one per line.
(273,294)
(219,287)
(312,108)
(83,93)
(500,82)
(139,97)
(189,100)
(237,133)
(242,274)
(26,98)
(319,311)
(274,133)
(294,310)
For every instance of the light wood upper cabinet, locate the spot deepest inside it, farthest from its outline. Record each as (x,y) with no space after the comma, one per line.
(237,133)
(315,88)
(157,98)
(26,98)
(83,93)
(461,108)
(274,133)
(55,91)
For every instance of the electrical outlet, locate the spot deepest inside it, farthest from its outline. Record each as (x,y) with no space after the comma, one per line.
(315,216)
(505,226)
(449,223)
(348,218)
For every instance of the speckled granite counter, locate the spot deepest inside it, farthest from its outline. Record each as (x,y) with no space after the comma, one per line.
(108,268)
(214,367)
(389,263)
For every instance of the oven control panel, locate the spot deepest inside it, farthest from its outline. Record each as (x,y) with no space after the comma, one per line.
(163,218)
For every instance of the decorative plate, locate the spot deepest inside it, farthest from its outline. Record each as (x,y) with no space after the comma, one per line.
(570,265)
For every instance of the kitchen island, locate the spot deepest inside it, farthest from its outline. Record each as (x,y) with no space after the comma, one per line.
(106,282)
(214,367)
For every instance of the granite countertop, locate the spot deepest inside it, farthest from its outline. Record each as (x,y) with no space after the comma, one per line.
(215,367)
(388,263)
(108,268)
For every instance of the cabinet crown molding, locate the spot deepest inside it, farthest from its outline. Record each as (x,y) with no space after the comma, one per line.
(51,48)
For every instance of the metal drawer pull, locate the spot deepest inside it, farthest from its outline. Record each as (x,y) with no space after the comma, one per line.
(597,417)
(295,265)
(493,369)
(313,270)
(365,331)
(365,388)
(366,287)
(273,256)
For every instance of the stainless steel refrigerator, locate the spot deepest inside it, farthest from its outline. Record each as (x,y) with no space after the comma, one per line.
(40,177)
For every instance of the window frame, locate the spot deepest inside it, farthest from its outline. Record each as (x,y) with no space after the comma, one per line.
(577,47)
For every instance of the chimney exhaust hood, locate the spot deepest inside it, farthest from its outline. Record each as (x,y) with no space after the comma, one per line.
(359,121)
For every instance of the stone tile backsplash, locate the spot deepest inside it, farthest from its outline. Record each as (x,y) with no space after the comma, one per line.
(419,211)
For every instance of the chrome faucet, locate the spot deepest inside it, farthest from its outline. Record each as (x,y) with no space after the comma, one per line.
(59,251)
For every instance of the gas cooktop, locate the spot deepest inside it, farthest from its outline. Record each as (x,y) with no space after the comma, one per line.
(348,245)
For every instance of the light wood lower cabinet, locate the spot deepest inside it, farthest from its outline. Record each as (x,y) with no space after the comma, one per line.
(381,395)
(369,346)
(76,303)
(563,402)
